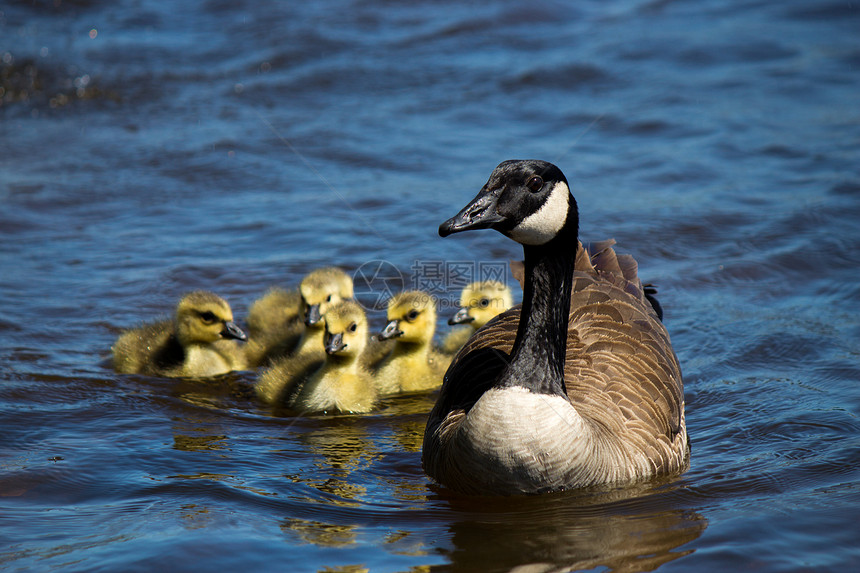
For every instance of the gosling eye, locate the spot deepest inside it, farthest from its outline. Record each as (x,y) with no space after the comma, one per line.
(484,302)
(535,184)
(353,327)
(208,317)
(328,298)
(412,315)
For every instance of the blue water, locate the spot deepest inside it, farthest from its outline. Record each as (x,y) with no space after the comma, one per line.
(148,149)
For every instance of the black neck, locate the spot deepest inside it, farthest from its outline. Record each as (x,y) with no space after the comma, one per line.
(537,358)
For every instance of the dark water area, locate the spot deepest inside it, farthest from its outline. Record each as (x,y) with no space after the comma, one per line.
(149,149)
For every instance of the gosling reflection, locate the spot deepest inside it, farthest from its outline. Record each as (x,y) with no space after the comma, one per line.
(200,432)
(195,516)
(340,451)
(407,416)
(320,533)
(201,443)
(409,434)
(344,447)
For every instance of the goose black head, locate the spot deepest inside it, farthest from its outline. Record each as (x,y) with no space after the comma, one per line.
(528,201)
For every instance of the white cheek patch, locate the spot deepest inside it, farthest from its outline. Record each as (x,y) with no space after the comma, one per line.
(544,224)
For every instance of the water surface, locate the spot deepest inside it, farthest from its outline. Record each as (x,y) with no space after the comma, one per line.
(150,149)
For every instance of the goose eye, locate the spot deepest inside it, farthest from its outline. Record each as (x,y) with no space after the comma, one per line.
(484,302)
(328,298)
(535,184)
(412,315)
(208,317)
(353,327)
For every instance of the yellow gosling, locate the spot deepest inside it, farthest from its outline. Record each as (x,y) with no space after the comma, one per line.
(319,290)
(413,365)
(342,383)
(479,302)
(279,383)
(200,341)
(284,323)
(274,325)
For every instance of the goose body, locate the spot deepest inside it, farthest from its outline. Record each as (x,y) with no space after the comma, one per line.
(199,341)
(343,383)
(579,385)
(413,365)
(480,301)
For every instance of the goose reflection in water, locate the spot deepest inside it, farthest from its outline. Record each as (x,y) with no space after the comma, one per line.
(616,531)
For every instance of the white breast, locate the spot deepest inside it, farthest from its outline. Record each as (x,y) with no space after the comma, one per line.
(526,440)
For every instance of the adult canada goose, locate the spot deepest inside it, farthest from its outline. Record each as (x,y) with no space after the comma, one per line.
(199,341)
(342,383)
(319,290)
(479,302)
(284,323)
(413,365)
(560,392)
